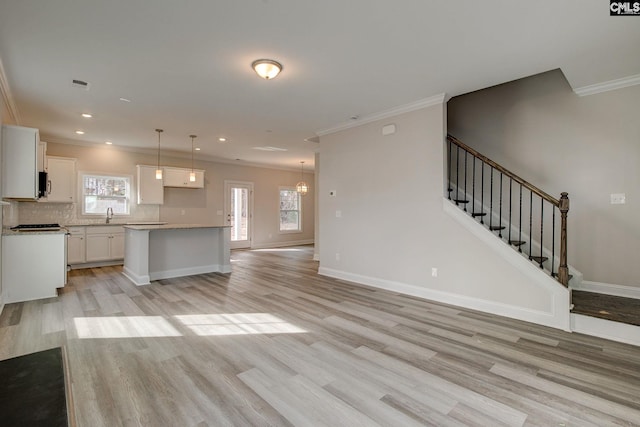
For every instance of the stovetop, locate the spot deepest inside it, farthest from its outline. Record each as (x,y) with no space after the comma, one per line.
(37,227)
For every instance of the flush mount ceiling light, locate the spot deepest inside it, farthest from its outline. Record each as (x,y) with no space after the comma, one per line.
(80,132)
(267,68)
(302,187)
(158,170)
(87,115)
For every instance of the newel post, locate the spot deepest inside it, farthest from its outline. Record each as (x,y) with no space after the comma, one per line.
(563,270)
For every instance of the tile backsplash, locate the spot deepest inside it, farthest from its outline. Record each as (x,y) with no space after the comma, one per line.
(68,213)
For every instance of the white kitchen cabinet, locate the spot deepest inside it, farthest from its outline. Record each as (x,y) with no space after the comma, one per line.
(76,245)
(179,177)
(33,265)
(104,243)
(150,189)
(61,185)
(20,162)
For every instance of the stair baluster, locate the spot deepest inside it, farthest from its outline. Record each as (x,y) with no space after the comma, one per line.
(562,204)
(465,180)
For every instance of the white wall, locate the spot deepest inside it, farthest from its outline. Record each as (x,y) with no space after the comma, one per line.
(393,229)
(199,205)
(588,146)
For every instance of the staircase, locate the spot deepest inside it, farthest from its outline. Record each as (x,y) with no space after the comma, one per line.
(534,224)
(531,221)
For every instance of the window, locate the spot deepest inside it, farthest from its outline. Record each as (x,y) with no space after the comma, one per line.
(100,192)
(290,210)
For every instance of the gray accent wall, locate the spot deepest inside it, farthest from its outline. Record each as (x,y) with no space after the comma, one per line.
(588,146)
(384,222)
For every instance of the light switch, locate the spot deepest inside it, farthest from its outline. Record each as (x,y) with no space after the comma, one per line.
(618,198)
(338,214)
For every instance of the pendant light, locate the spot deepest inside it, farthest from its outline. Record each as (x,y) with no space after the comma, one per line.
(158,170)
(302,187)
(192,174)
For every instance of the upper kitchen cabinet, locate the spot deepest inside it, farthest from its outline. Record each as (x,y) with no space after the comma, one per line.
(179,177)
(150,189)
(20,162)
(61,179)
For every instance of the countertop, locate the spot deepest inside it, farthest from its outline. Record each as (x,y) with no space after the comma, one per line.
(9,232)
(166,226)
(101,224)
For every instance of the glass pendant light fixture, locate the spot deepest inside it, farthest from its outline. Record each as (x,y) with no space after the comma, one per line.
(192,174)
(302,187)
(158,170)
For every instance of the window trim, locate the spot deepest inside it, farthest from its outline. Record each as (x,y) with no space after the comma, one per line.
(81,206)
(299,230)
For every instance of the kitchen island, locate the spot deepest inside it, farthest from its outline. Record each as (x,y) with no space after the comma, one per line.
(154,252)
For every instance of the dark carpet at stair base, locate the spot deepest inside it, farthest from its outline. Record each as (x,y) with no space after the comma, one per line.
(32,390)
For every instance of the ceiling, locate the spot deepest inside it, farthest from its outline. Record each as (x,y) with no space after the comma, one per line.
(185,65)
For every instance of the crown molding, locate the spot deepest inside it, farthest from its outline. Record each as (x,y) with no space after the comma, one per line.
(406,108)
(608,85)
(7,97)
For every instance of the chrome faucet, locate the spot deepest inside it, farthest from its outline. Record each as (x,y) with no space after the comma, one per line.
(109,214)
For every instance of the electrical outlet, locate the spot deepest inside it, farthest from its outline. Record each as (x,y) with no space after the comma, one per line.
(618,198)
(434,272)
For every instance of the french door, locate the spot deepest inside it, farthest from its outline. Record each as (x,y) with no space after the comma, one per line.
(238,207)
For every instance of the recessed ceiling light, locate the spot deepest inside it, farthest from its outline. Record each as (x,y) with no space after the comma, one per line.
(222,139)
(125,100)
(86,115)
(80,132)
(197,148)
(108,142)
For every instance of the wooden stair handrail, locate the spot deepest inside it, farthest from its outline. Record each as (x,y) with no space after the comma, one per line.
(505,171)
(562,204)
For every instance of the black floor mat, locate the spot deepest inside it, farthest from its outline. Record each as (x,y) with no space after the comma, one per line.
(32,390)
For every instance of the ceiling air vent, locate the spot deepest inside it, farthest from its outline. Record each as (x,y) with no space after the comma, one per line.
(80,84)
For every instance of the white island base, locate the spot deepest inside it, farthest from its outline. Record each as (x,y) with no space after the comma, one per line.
(154,252)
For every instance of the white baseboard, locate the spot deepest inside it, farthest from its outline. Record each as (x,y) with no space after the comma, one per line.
(189,271)
(282,244)
(97,264)
(138,280)
(608,289)
(557,318)
(608,329)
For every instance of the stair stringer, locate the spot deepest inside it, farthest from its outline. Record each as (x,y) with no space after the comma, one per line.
(559,315)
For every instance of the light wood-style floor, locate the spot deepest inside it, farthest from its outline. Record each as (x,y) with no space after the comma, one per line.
(275,344)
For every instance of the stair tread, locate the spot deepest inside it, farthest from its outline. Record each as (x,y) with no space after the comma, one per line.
(460,201)
(517,242)
(538,258)
(609,307)
(497,227)
(474,214)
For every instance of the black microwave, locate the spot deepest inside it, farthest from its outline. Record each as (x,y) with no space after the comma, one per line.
(43,184)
